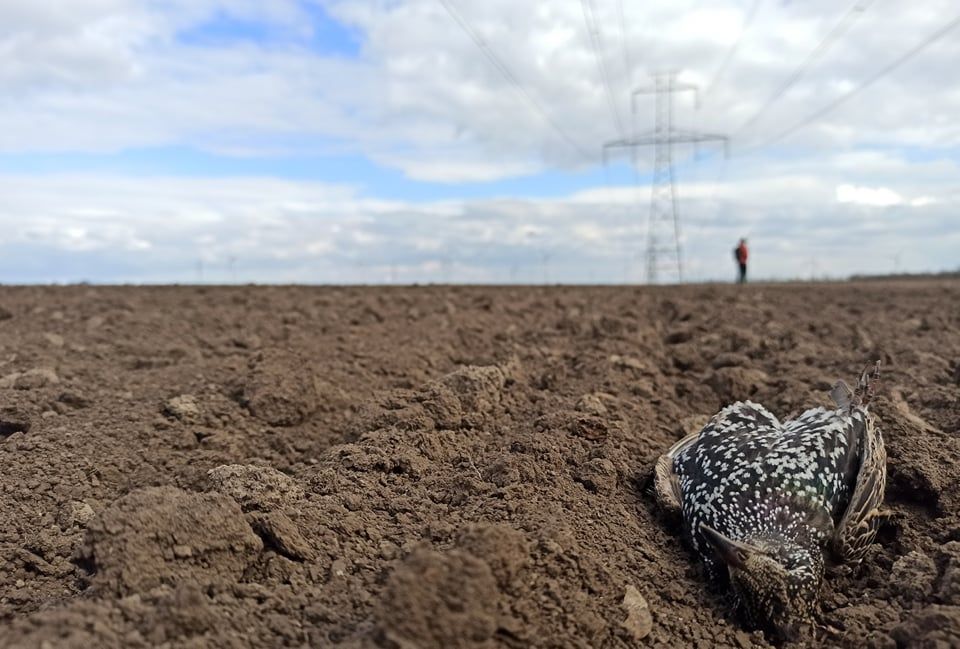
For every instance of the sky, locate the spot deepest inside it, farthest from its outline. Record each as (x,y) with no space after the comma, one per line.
(402,141)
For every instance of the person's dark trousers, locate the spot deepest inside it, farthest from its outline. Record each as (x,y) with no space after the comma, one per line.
(743,274)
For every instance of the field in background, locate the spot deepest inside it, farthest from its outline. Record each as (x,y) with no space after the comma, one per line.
(437,466)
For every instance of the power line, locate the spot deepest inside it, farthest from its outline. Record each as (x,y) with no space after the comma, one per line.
(596,43)
(627,59)
(511,78)
(663,223)
(733,50)
(846,22)
(884,71)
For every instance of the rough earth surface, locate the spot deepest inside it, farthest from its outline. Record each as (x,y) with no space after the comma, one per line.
(439,466)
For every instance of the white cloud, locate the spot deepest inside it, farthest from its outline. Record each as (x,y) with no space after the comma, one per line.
(250,229)
(872,196)
(101,75)
(447,170)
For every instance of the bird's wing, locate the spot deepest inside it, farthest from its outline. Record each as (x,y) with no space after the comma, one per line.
(742,415)
(860,521)
(666,484)
(842,395)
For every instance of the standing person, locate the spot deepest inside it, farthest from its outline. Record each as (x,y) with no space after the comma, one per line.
(740,253)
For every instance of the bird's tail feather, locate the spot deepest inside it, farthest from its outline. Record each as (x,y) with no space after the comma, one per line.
(866,386)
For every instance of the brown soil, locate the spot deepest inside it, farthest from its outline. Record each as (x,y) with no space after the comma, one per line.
(438,467)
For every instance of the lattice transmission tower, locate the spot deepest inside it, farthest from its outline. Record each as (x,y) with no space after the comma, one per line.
(663,251)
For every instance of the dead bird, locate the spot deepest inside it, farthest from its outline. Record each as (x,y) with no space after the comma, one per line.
(764,503)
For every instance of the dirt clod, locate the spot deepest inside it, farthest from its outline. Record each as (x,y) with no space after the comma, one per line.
(639,621)
(32,379)
(914,574)
(183,408)
(598,475)
(255,488)
(74,399)
(74,513)
(439,600)
(13,420)
(736,383)
(165,536)
(282,534)
(281,388)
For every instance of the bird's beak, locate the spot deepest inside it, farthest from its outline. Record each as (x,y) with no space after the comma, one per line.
(733,553)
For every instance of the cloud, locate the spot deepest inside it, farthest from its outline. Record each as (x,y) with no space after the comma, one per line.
(872,196)
(163,229)
(448,170)
(108,76)
(97,75)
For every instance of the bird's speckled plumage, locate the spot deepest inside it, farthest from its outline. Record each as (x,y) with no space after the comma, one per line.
(762,500)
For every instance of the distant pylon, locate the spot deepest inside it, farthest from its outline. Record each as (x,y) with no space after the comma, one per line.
(663,250)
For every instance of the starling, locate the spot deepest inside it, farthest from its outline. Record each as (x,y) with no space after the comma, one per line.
(764,503)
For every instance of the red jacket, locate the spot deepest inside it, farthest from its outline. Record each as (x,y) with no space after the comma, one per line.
(742,253)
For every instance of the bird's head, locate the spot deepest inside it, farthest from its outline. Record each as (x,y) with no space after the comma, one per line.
(776,581)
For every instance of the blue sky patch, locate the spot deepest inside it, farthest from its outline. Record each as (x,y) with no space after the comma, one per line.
(324,35)
(371,179)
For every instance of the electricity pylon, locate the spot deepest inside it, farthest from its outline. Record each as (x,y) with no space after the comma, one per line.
(663,223)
